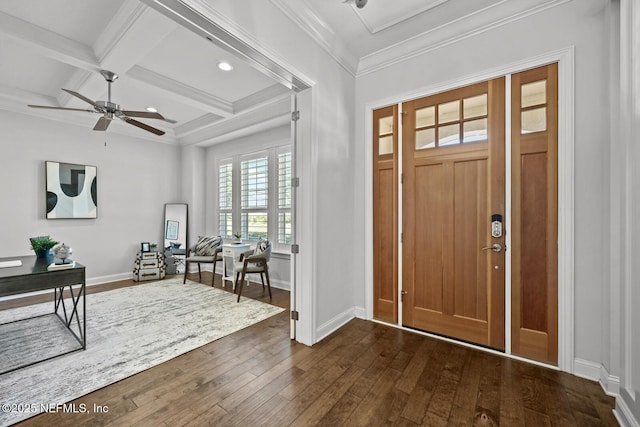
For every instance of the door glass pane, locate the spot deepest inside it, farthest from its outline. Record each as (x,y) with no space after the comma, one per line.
(385,145)
(449,111)
(534,93)
(475,130)
(475,106)
(385,125)
(425,117)
(534,120)
(425,138)
(448,135)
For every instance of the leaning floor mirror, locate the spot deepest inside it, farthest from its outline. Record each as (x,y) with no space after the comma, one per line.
(175,236)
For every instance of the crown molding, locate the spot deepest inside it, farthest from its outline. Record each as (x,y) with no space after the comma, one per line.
(465,27)
(307,19)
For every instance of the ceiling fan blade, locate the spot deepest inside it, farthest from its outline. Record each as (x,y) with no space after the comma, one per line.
(144,126)
(84,98)
(102,124)
(145,114)
(60,108)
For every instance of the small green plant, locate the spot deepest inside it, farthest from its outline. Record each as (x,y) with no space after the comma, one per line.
(42,243)
(237,235)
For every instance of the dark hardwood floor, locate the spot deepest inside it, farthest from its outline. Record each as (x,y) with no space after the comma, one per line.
(363,374)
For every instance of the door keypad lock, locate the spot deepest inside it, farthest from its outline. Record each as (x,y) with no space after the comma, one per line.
(496,226)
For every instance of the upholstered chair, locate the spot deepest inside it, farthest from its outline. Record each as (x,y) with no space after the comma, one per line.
(253,261)
(208,250)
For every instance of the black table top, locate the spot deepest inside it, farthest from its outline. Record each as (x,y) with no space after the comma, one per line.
(30,265)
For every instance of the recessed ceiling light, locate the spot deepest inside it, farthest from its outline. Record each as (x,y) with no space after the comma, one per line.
(225,66)
(152,110)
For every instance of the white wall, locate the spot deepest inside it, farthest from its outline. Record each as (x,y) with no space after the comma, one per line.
(578,23)
(136,178)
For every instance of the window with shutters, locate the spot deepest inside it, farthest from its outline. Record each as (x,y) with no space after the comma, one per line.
(254,196)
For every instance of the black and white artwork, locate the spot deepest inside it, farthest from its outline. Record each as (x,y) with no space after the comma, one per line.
(72,191)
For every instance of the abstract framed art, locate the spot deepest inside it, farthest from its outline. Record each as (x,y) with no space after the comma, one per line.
(72,190)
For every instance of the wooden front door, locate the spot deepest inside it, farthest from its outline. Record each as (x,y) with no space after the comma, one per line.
(385,214)
(453,183)
(534,266)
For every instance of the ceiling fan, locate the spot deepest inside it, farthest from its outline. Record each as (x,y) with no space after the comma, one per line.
(110,110)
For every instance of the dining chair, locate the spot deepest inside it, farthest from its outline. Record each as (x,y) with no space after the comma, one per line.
(253,261)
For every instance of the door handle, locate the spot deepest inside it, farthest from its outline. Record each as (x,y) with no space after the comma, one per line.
(496,247)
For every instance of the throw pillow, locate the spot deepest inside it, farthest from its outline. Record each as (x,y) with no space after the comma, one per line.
(207,245)
(261,246)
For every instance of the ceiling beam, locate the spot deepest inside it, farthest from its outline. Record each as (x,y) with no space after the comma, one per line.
(183,93)
(48,43)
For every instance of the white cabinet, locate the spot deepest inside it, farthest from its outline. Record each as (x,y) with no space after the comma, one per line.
(231,253)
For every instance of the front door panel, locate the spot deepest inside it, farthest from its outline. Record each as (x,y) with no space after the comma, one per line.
(453,168)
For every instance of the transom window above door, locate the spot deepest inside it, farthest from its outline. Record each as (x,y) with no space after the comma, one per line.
(451,122)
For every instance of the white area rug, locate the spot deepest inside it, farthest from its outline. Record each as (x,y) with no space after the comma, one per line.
(128,330)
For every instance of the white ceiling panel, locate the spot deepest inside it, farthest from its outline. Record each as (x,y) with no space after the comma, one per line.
(183,56)
(79,20)
(28,71)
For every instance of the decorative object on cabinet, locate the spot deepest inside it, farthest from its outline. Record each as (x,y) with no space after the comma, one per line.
(149,266)
(62,253)
(72,191)
(41,245)
(145,247)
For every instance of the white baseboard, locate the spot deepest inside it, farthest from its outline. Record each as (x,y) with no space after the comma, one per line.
(611,386)
(334,324)
(361,313)
(109,278)
(597,372)
(623,412)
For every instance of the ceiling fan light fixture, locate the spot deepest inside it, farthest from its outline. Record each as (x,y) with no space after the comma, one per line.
(225,66)
(151,109)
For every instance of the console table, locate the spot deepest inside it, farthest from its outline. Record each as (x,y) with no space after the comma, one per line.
(32,276)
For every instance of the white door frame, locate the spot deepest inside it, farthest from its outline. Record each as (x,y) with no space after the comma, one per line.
(565,59)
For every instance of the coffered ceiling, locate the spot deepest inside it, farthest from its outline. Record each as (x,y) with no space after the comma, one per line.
(47,45)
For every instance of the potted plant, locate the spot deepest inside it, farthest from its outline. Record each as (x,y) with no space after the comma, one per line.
(238,236)
(41,245)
